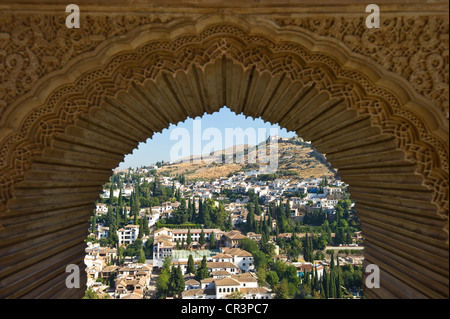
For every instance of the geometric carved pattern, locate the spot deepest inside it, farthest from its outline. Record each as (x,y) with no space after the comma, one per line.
(415,47)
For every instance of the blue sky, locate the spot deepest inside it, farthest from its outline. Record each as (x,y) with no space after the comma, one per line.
(159,147)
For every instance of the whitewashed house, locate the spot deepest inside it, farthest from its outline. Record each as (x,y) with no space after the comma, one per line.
(128,234)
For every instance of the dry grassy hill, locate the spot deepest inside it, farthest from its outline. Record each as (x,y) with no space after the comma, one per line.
(296,159)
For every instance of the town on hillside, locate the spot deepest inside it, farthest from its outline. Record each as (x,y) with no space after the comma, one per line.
(242,236)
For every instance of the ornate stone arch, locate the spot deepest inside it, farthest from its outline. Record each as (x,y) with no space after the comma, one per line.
(62,138)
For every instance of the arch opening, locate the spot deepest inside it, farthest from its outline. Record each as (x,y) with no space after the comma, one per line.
(254,177)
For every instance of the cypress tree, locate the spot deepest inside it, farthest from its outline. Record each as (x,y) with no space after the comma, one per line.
(120,202)
(338,284)
(212,240)
(306,249)
(201,240)
(338,278)
(206,214)
(146,229)
(141,229)
(316,279)
(111,194)
(332,260)
(189,239)
(287,210)
(176,281)
(93,223)
(322,289)
(203,272)
(250,219)
(131,203)
(190,265)
(332,284)
(229,225)
(200,218)
(325,283)
(189,210)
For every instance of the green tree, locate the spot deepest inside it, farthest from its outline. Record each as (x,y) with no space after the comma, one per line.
(93,223)
(90,294)
(212,240)
(190,265)
(282,290)
(111,194)
(189,238)
(141,259)
(145,228)
(162,284)
(251,224)
(332,260)
(176,282)
(249,245)
(141,229)
(202,240)
(272,278)
(260,259)
(120,200)
(261,273)
(202,271)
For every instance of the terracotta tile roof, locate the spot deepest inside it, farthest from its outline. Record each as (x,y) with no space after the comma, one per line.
(238,252)
(192,282)
(227,282)
(234,234)
(224,264)
(255,290)
(245,277)
(193,292)
(221,255)
(221,273)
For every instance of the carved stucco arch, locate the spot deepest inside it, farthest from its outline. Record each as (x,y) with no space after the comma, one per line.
(63,127)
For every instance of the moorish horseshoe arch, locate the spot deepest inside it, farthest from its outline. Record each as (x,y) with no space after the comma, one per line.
(62,138)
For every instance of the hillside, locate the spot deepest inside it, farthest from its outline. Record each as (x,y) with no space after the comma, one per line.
(296,160)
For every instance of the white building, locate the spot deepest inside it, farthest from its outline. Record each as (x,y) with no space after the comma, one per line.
(128,234)
(242,258)
(223,286)
(153,218)
(162,246)
(298,201)
(102,232)
(126,192)
(101,208)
